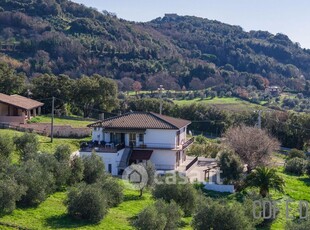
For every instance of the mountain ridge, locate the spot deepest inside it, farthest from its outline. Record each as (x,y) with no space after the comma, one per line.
(62,37)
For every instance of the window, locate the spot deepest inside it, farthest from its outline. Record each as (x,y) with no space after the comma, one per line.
(132,139)
(110,168)
(141,137)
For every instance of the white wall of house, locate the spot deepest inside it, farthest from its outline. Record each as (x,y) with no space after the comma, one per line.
(112,159)
(153,138)
(164,159)
(161,137)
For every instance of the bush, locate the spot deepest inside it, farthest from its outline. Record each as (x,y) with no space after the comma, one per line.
(231,166)
(38,182)
(219,216)
(113,191)
(150,219)
(6,146)
(182,192)
(27,145)
(301,225)
(63,153)
(296,153)
(10,193)
(295,166)
(93,168)
(87,202)
(159,216)
(200,139)
(77,169)
(59,169)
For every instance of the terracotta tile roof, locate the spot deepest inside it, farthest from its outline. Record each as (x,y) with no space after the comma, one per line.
(20,101)
(141,120)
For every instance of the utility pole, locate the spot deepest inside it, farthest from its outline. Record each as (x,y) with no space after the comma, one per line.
(52,122)
(161,89)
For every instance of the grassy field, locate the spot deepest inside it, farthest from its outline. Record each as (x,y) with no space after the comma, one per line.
(51,214)
(227,103)
(76,122)
(45,142)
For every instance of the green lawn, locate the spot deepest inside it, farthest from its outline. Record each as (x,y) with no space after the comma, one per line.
(76,122)
(229,103)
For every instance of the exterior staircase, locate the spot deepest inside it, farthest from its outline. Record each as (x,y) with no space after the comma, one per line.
(125,158)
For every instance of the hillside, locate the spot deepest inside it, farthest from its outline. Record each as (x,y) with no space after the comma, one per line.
(62,37)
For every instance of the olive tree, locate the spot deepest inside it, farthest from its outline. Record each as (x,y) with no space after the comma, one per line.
(87,202)
(10,193)
(27,145)
(175,187)
(94,168)
(221,216)
(6,146)
(160,215)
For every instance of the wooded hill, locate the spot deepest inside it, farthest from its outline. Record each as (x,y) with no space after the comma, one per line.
(62,37)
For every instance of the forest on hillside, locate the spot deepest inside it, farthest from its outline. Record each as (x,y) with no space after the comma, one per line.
(61,37)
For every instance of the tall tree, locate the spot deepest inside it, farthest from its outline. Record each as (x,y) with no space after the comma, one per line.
(95,93)
(47,86)
(254,146)
(10,81)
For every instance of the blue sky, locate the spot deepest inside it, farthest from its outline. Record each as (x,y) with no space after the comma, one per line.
(276,16)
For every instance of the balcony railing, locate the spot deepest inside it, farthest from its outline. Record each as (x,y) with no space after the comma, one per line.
(155,146)
(188,143)
(89,147)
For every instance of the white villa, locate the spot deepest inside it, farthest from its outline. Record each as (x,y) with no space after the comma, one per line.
(137,137)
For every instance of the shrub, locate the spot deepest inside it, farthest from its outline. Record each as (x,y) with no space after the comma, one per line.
(182,192)
(216,215)
(38,182)
(93,168)
(200,139)
(27,145)
(295,166)
(150,219)
(77,169)
(59,169)
(10,193)
(301,225)
(159,216)
(113,191)
(231,166)
(6,146)
(296,153)
(87,202)
(63,153)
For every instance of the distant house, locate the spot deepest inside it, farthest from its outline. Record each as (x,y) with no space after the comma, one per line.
(273,90)
(171,15)
(18,109)
(137,137)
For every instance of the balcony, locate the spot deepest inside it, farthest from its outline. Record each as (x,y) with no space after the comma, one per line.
(101,148)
